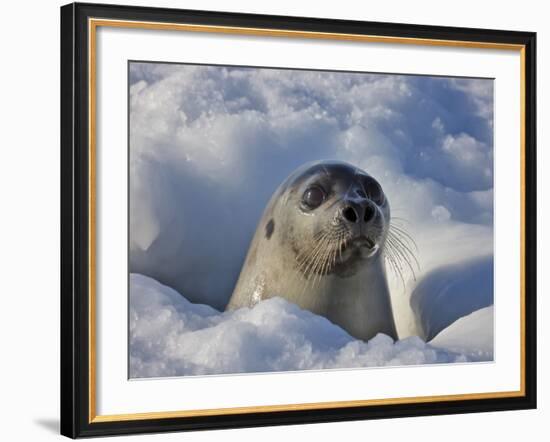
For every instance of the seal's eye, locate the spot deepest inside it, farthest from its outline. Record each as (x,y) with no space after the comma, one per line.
(313,197)
(374,190)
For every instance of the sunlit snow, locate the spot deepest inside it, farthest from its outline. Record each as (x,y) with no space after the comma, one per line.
(209,145)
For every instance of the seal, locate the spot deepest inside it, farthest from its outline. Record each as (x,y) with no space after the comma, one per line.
(320,244)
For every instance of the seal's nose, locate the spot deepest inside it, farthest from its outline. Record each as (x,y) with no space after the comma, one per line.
(370,211)
(354,213)
(350,214)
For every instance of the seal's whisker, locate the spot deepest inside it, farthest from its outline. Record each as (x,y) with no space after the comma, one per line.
(318,263)
(402,244)
(304,257)
(389,254)
(401,229)
(323,261)
(406,241)
(402,254)
(398,267)
(309,273)
(399,219)
(340,244)
(333,250)
(399,252)
(316,260)
(309,262)
(403,247)
(403,234)
(392,249)
(316,252)
(338,248)
(330,258)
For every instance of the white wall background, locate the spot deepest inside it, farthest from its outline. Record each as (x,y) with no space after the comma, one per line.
(29,233)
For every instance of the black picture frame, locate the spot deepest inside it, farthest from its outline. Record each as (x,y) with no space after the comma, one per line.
(76,401)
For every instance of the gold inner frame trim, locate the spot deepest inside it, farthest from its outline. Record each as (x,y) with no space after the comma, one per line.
(298,34)
(92,28)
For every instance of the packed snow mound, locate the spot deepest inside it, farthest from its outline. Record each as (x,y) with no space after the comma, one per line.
(471,335)
(170,336)
(450,292)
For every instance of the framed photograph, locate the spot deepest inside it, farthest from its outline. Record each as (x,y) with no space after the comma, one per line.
(274,220)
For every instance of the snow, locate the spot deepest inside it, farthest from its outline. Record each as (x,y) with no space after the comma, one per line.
(170,336)
(471,335)
(451,292)
(209,145)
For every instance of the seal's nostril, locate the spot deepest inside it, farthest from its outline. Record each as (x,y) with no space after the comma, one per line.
(369,213)
(350,214)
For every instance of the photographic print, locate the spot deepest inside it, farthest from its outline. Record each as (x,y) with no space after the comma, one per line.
(273,220)
(288,220)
